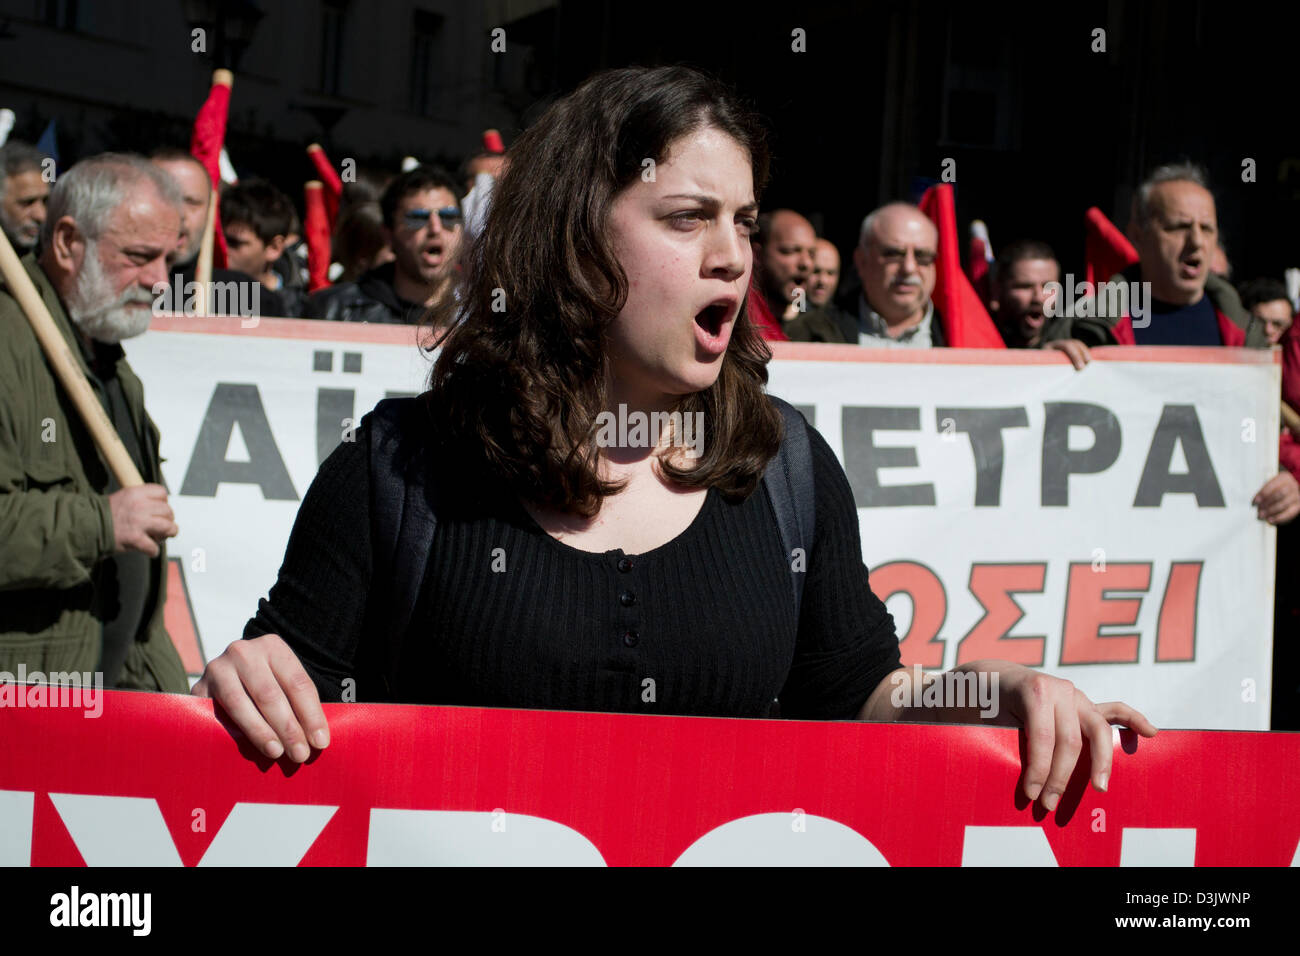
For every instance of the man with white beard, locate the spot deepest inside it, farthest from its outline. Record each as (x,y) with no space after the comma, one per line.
(83,563)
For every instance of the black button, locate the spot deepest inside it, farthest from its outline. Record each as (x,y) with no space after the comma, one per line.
(625,565)
(627,598)
(630,638)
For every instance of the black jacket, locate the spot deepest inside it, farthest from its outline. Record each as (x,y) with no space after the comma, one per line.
(294,299)
(847,324)
(269,302)
(291,267)
(371,298)
(822,324)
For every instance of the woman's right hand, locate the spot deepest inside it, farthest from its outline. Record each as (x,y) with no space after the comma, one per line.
(263,688)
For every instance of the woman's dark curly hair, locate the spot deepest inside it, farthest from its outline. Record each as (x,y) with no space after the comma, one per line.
(522,375)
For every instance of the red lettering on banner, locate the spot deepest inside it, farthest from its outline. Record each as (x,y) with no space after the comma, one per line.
(921,644)
(992,585)
(1176,633)
(1088,609)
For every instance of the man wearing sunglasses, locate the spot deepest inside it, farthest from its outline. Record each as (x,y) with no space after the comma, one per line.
(422,220)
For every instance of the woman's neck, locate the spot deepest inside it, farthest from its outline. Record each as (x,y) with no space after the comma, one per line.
(635,428)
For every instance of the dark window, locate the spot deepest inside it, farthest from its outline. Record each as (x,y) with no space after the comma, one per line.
(979,97)
(61,14)
(332,16)
(426,70)
(972,117)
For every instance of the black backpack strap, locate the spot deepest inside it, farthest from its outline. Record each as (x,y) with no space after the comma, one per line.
(402,523)
(789,483)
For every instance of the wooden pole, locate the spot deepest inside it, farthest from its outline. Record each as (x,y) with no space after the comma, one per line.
(1291,420)
(203,267)
(66,368)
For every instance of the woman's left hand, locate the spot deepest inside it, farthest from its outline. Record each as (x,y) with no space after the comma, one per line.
(1057,718)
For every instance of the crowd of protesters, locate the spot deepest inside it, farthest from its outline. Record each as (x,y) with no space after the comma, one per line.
(395,242)
(396,237)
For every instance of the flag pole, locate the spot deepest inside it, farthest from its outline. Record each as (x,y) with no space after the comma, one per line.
(69,373)
(203,267)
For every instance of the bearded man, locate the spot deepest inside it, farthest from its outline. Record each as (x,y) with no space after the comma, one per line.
(83,564)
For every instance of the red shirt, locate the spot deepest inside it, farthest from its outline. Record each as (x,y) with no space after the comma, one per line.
(762,317)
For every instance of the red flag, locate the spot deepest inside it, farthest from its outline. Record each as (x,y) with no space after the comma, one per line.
(1291,366)
(205,146)
(761,316)
(492,141)
(1289,450)
(966,323)
(980,259)
(1107,251)
(330,181)
(316,226)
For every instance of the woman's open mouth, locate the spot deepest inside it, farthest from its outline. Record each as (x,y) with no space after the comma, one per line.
(711,318)
(713,327)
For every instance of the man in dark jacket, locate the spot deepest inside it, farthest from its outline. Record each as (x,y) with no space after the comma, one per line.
(249,296)
(1175,231)
(422,218)
(783,244)
(258,222)
(24,190)
(823,320)
(83,563)
(895,260)
(1020,281)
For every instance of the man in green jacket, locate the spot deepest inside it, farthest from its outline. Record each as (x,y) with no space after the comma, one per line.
(82,560)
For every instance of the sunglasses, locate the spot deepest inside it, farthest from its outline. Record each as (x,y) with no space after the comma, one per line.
(414,219)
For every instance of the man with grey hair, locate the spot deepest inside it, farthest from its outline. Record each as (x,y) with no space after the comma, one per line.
(83,567)
(24,189)
(895,259)
(1175,228)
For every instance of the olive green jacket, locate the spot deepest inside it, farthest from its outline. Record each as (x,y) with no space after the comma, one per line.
(55,521)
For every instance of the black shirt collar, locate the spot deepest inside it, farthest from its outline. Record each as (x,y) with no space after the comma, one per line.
(102,357)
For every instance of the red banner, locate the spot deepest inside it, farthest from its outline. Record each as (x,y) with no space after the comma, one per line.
(156,780)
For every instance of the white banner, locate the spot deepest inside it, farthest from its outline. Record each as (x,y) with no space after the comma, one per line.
(1096,524)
